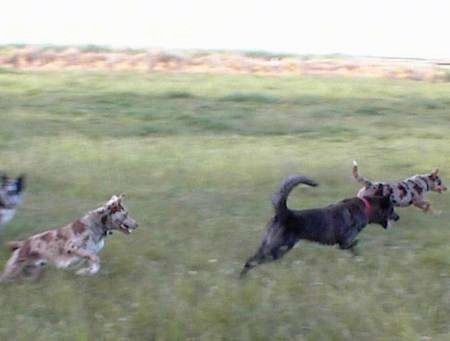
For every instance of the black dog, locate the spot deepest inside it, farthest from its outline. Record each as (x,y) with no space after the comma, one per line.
(335,224)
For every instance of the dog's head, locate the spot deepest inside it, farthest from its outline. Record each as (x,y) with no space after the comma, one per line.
(116,217)
(11,191)
(382,210)
(435,182)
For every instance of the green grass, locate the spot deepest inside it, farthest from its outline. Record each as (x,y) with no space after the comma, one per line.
(199,157)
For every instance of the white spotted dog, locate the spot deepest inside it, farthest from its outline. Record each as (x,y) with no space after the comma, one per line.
(410,191)
(71,244)
(11,191)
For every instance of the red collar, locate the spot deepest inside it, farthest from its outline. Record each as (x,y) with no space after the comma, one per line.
(368,207)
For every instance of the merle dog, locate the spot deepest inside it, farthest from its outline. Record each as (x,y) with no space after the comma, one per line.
(410,191)
(80,240)
(338,223)
(11,191)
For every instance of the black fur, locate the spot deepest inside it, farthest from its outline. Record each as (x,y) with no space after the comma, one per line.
(335,224)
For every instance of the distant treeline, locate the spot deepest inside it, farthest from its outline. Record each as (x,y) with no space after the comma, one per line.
(93,57)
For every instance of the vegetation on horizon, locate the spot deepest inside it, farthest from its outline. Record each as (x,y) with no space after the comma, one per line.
(101,58)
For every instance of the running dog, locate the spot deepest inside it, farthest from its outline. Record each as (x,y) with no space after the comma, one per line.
(69,245)
(410,191)
(338,223)
(11,191)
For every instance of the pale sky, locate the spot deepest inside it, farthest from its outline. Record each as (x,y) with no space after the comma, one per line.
(395,28)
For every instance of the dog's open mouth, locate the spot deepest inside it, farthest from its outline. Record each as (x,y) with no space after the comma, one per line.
(125,228)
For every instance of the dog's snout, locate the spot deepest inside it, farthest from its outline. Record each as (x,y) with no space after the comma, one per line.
(134,225)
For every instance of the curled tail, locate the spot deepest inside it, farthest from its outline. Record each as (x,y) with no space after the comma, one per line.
(280,197)
(14,245)
(366,182)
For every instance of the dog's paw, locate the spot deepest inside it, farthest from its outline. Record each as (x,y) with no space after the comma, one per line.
(87,271)
(355,252)
(83,271)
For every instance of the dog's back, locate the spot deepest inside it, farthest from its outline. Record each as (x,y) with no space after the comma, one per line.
(328,225)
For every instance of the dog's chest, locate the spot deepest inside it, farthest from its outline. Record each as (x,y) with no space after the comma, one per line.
(6,215)
(94,246)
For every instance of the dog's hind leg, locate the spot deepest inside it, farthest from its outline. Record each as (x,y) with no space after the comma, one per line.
(13,267)
(270,251)
(253,261)
(280,250)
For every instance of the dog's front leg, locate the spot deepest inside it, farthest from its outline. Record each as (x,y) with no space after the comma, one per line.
(93,260)
(349,241)
(34,272)
(425,206)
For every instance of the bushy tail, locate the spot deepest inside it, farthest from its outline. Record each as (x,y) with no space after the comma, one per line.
(280,197)
(366,182)
(14,245)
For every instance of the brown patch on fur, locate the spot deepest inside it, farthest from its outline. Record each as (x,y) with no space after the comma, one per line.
(14,245)
(418,189)
(115,208)
(47,237)
(33,254)
(78,227)
(402,190)
(60,235)
(24,251)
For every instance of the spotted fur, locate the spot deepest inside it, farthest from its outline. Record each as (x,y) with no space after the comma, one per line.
(66,246)
(11,192)
(410,191)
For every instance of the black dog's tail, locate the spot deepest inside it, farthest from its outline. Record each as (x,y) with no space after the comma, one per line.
(280,197)
(273,246)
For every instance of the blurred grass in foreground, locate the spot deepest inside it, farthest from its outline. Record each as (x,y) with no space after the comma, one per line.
(199,157)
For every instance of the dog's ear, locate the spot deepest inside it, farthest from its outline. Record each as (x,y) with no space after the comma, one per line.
(435,172)
(121,197)
(101,210)
(4,178)
(21,182)
(112,200)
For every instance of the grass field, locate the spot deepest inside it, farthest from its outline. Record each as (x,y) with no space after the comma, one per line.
(199,157)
